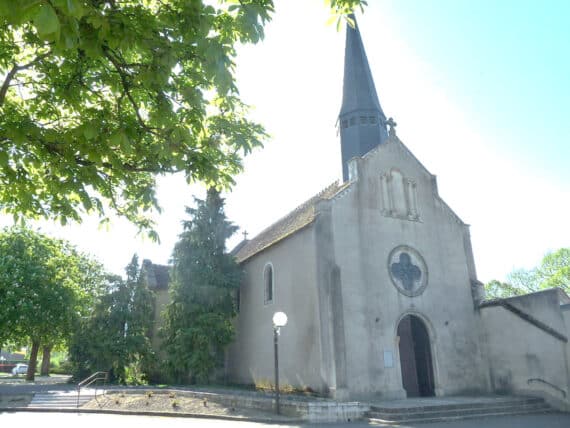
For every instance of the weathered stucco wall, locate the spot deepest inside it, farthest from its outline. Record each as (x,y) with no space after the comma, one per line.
(523,358)
(251,356)
(364,235)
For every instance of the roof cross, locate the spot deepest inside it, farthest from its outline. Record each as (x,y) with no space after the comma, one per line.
(392,124)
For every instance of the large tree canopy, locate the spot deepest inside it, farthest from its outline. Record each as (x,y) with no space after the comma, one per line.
(46,286)
(97,97)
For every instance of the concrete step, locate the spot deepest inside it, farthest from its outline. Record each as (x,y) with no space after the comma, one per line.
(445,412)
(62,399)
(427,405)
(512,410)
(457,410)
(481,415)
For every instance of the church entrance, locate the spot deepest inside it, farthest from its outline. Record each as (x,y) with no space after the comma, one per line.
(415,357)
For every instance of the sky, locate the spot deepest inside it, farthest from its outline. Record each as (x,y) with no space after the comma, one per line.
(480,91)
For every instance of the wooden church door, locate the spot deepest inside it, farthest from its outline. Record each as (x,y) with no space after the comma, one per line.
(415,357)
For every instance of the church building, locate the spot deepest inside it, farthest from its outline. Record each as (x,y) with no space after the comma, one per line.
(377,277)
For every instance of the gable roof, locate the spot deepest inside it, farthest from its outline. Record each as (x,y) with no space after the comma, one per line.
(296,220)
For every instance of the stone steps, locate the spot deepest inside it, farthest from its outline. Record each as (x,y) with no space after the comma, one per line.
(62,400)
(446,412)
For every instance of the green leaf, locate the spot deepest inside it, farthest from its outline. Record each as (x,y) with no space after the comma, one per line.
(79,121)
(89,131)
(75,8)
(47,22)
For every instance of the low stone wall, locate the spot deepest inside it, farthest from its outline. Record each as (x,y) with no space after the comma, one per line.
(311,410)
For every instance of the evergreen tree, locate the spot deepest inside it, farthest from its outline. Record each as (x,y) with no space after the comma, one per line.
(116,336)
(198,321)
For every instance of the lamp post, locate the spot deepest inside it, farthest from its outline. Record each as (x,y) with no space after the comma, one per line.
(279,320)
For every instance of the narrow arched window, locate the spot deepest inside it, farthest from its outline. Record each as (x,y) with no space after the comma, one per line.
(268,283)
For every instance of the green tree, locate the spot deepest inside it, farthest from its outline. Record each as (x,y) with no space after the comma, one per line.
(198,321)
(100,96)
(553,271)
(115,338)
(497,289)
(45,287)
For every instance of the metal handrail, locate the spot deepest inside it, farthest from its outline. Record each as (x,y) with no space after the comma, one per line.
(95,377)
(557,388)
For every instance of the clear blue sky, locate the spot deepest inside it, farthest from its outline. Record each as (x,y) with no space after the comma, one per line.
(506,62)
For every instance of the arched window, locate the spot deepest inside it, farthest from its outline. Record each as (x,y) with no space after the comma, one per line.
(268,283)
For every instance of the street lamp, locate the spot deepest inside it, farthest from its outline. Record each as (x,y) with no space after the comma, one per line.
(279,320)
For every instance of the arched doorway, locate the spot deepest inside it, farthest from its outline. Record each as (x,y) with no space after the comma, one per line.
(415,357)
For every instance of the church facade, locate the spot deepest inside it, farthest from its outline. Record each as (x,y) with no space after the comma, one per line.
(377,276)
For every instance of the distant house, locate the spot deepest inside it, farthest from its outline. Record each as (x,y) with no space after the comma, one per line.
(12,356)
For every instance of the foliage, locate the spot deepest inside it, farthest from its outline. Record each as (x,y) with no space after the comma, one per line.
(198,321)
(498,289)
(100,96)
(553,271)
(115,337)
(46,285)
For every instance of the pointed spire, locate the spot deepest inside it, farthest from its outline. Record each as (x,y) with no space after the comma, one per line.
(361,119)
(358,91)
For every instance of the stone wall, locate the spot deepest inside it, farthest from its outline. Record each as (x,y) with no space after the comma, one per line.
(527,346)
(251,356)
(368,225)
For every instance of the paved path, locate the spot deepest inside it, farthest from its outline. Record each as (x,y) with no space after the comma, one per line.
(74,420)
(41,384)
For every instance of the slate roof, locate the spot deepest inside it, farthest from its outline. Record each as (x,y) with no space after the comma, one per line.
(358,90)
(296,220)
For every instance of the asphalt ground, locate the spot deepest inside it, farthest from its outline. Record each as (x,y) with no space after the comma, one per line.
(74,420)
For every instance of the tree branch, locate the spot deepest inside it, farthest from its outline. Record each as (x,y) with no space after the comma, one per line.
(127,93)
(12,73)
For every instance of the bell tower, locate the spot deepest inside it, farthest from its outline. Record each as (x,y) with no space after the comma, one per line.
(361,120)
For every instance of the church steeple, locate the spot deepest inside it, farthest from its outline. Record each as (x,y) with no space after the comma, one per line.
(361,119)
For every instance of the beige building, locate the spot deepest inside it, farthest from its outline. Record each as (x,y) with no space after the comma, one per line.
(377,277)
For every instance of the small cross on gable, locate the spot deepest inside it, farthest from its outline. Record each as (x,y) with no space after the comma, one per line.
(392,124)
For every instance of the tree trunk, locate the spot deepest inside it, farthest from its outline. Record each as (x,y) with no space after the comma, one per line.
(46,359)
(33,360)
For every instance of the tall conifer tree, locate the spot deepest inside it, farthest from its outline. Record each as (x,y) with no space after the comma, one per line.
(115,337)
(198,321)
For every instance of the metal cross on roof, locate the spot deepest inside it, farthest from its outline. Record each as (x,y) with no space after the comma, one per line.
(392,124)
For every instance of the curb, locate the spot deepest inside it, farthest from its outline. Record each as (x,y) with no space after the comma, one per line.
(151,413)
